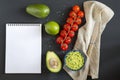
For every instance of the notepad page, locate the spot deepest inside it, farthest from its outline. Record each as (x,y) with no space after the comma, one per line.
(23,48)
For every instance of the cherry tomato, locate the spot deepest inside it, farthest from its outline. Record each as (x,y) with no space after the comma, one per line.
(59,40)
(72,14)
(74,27)
(71,33)
(69,20)
(64,46)
(78,21)
(67,27)
(76,8)
(63,33)
(68,40)
(80,14)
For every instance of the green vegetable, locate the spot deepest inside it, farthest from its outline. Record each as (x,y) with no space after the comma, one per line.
(74,60)
(52,28)
(38,10)
(53,62)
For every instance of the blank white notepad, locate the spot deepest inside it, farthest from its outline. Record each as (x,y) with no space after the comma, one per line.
(23,48)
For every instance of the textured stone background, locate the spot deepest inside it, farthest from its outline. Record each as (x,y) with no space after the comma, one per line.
(13,11)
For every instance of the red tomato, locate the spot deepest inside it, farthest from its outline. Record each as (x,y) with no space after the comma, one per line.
(72,14)
(69,20)
(63,33)
(68,40)
(64,46)
(78,21)
(59,40)
(67,27)
(74,27)
(76,8)
(80,14)
(71,33)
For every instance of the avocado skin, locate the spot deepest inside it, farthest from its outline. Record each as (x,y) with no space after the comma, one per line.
(38,10)
(49,55)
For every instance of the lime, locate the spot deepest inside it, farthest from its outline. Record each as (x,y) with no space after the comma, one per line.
(38,10)
(52,28)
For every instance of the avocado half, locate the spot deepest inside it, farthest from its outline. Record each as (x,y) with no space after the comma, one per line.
(53,62)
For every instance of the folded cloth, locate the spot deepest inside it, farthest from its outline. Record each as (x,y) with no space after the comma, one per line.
(97,16)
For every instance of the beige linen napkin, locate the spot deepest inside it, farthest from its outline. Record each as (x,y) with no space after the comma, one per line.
(88,40)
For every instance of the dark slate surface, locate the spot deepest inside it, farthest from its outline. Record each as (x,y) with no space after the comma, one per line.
(14,11)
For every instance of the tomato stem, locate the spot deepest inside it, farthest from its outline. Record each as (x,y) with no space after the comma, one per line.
(69,29)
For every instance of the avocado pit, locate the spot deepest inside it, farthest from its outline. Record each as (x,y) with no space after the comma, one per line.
(53,63)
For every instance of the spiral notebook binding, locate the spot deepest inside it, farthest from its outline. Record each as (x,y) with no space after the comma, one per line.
(12,24)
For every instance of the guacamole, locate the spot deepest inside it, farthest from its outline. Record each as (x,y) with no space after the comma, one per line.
(74,60)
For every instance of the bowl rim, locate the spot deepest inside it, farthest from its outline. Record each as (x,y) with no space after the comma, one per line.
(83,55)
